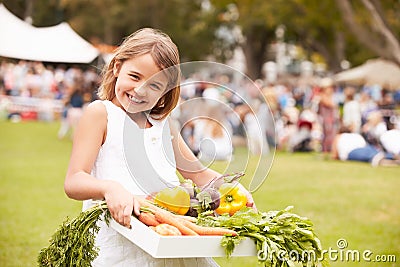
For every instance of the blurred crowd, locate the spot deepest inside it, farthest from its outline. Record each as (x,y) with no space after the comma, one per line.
(34,91)
(297,116)
(218,112)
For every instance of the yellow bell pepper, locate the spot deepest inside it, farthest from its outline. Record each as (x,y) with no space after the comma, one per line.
(175,199)
(232,199)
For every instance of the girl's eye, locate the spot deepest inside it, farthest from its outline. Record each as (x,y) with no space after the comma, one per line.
(155,86)
(135,77)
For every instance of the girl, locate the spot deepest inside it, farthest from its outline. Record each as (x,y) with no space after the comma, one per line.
(130,121)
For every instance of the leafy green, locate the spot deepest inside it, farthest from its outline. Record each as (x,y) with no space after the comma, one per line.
(282,238)
(73,244)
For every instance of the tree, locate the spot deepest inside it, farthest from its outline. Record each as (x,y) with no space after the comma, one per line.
(257,20)
(188,24)
(317,26)
(375,31)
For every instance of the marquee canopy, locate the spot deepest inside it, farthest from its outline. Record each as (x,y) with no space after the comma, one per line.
(58,43)
(373,72)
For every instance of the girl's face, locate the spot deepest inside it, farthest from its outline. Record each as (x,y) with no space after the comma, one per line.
(137,88)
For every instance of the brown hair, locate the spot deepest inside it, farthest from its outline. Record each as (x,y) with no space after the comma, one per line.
(165,54)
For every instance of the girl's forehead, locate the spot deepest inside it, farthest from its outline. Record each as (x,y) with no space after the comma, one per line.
(144,65)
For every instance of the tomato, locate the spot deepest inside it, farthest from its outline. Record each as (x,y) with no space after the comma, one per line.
(232,199)
(175,199)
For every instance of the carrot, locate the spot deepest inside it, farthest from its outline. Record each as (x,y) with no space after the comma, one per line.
(148,219)
(204,230)
(166,217)
(187,218)
(147,205)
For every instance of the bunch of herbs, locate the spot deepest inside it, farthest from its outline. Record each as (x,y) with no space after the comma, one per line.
(282,238)
(73,243)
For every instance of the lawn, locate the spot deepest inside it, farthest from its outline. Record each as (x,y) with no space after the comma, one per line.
(345,200)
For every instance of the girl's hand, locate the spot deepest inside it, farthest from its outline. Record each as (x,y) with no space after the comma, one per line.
(250,201)
(120,203)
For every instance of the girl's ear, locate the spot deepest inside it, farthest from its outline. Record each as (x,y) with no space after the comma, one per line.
(116,68)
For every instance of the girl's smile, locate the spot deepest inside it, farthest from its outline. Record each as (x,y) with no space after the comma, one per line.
(135,100)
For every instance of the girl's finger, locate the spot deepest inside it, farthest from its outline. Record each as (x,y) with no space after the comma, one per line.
(126,216)
(113,214)
(120,216)
(136,206)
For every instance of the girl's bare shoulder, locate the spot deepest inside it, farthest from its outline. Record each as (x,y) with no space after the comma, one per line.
(95,112)
(96,108)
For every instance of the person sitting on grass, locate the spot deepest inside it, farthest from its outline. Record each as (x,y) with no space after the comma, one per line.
(352,146)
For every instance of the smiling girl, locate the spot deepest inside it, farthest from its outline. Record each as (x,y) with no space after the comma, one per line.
(140,88)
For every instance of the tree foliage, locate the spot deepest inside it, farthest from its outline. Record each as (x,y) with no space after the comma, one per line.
(186,22)
(335,29)
(375,24)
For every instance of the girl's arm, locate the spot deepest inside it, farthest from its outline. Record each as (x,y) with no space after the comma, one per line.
(189,165)
(191,168)
(79,184)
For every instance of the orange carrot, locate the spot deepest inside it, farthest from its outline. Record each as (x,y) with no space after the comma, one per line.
(184,217)
(166,217)
(204,230)
(148,205)
(148,219)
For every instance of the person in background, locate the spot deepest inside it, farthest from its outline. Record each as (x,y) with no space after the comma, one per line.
(387,106)
(374,128)
(353,147)
(351,111)
(73,107)
(390,141)
(328,113)
(367,105)
(212,135)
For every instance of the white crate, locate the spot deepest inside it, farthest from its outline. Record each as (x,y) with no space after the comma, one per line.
(159,246)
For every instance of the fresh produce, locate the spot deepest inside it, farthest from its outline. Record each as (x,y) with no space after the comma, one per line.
(194,208)
(73,242)
(282,238)
(175,199)
(164,216)
(232,199)
(185,224)
(148,219)
(190,187)
(187,218)
(204,230)
(210,197)
(166,229)
(277,234)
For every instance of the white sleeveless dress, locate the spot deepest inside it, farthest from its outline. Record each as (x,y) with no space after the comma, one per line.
(142,160)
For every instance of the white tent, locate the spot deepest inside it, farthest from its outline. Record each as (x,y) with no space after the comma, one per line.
(373,72)
(58,43)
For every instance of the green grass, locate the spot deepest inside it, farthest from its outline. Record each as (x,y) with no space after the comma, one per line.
(344,199)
